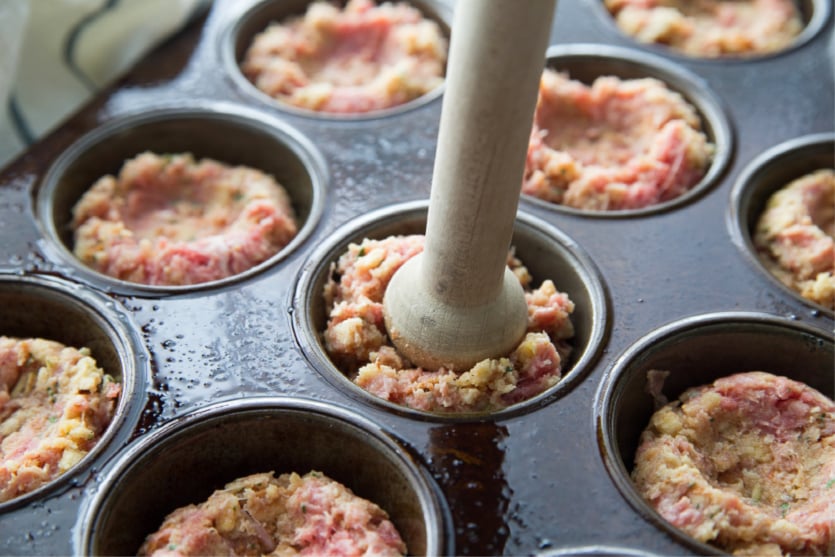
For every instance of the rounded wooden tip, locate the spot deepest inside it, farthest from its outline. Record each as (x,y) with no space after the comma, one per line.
(433,334)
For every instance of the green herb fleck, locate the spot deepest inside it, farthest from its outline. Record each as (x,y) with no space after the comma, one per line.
(830,483)
(361,252)
(508,369)
(783,509)
(304,508)
(237,196)
(52,419)
(172,546)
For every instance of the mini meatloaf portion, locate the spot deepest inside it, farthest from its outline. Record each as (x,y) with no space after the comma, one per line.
(710,28)
(795,236)
(615,145)
(746,464)
(170,220)
(289,515)
(358,344)
(55,404)
(358,59)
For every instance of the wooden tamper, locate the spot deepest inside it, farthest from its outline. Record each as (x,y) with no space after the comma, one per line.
(457,303)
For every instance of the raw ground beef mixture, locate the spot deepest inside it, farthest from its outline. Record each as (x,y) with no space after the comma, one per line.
(614,145)
(710,28)
(289,515)
(746,464)
(171,220)
(55,404)
(357,342)
(795,236)
(359,59)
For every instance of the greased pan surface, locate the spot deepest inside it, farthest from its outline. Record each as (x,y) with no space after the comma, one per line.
(549,479)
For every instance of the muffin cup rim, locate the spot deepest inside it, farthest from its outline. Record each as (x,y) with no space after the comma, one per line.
(436,510)
(698,93)
(604,420)
(329,251)
(739,196)
(133,358)
(226,52)
(822,11)
(593,550)
(223,111)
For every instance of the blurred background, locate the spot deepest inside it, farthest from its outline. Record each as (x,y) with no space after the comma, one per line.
(55,54)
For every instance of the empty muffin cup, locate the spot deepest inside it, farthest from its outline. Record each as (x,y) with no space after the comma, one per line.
(697,351)
(348,100)
(47,308)
(184,461)
(587,168)
(771,171)
(228,134)
(546,252)
(679,30)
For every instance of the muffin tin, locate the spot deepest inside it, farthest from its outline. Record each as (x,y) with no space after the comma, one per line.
(674,286)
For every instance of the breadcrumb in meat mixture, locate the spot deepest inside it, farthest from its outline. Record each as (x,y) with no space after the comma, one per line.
(170,220)
(710,28)
(55,404)
(362,58)
(614,145)
(288,515)
(795,236)
(357,342)
(746,464)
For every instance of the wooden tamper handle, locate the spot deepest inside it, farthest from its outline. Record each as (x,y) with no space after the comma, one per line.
(458,303)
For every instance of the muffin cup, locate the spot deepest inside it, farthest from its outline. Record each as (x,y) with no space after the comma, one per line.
(813,13)
(546,252)
(226,133)
(763,176)
(587,62)
(243,27)
(53,309)
(184,461)
(696,351)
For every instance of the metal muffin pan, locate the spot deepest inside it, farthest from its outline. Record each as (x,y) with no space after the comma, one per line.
(696,351)
(51,308)
(766,174)
(185,461)
(254,19)
(227,133)
(546,252)
(532,480)
(587,62)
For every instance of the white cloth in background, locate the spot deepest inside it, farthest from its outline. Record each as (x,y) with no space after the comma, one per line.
(56,54)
